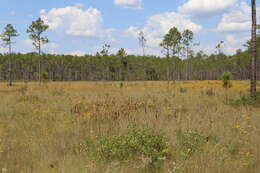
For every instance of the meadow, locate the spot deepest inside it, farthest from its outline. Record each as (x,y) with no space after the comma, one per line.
(121,127)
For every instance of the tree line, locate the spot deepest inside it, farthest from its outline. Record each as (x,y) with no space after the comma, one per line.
(122,67)
(180,61)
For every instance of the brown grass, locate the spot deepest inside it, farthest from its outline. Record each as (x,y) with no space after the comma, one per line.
(43,128)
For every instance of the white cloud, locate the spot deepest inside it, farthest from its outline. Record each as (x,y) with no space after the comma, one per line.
(51,47)
(205,7)
(27,46)
(132,4)
(158,25)
(3,50)
(238,19)
(75,21)
(76,53)
(132,31)
(232,44)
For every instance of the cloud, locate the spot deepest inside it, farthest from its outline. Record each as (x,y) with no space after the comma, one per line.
(205,7)
(232,44)
(158,25)
(75,21)
(51,47)
(238,19)
(76,53)
(3,50)
(27,46)
(132,4)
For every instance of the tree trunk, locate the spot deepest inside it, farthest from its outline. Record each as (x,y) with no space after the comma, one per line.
(10,63)
(253,58)
(39,62)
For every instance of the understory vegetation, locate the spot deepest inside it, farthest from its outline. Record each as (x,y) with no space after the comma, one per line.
(171,127)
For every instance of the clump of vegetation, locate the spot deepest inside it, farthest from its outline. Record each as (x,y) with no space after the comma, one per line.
(136,143)
(29,98)
(226,83)
(210,92)
(45,76)
(183,90)
(244,100)
(58,91)
(121,85)
(23,90)
(189,142)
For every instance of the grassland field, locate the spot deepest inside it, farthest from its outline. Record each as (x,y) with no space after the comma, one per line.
(55,127)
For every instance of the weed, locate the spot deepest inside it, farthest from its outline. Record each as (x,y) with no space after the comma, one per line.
(189,142)
(29,98)
(121,85)
(136,143)
(183,90)
(58,92)
(23,90)
(210,92)
(244,100)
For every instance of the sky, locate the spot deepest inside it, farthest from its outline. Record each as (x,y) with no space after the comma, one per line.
(79,27)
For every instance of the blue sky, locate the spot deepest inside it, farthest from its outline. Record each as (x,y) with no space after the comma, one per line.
(83,26)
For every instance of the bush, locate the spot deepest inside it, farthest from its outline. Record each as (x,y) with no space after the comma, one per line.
(246,100)
(189,142)
(135,143)
(45,76)
(58,92)
(29,98)
(183,90)
(23,90)
(210,92)
(121,85)
(226,80)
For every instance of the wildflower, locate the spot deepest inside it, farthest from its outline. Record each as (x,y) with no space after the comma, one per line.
(248,154)
(248,118)
(189,150)
(237,126)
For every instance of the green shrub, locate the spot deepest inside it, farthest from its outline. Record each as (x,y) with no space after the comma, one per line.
(244,100)
(210,92)
(23,90)
(183,90)
(189,142)
(29,98)
(226,80)
(226,83)
(121,85)
(135,143)
(58,92)
(45,76)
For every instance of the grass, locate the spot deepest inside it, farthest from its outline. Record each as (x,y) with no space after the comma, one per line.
(60,127)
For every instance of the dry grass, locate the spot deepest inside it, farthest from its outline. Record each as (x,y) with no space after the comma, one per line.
(44,128)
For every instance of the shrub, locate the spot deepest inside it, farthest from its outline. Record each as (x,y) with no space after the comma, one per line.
(121,85)
(23,90)
(189,142)
(226,83)
(29,98)
(183,90)
(45,76)
(226,80)
(210,92)
(135,143)
(58,92)
(244,100)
